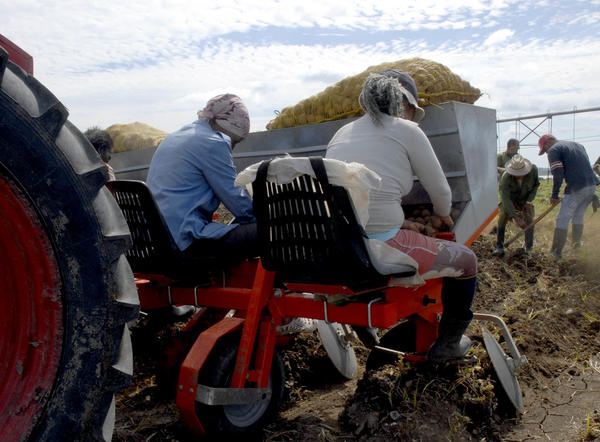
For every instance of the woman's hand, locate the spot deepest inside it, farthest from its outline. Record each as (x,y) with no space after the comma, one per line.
(412,225)
(446,220)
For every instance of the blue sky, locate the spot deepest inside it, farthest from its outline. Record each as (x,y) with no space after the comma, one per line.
(159,61)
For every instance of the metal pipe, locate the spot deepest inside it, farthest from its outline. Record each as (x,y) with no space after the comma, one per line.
(549,114)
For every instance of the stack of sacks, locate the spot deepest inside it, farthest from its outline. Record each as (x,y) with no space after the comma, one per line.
(435,82)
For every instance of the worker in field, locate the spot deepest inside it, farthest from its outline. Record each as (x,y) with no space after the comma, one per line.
(518,186)
(103,143)
(192,172)
(596,200)
(388,141)
(569,162)
(512,147)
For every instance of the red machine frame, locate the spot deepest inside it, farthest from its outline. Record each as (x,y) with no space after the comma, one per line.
(260,307)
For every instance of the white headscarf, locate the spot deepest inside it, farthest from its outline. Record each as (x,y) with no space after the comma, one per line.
(229,113)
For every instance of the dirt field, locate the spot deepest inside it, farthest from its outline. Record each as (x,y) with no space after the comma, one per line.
(552,310)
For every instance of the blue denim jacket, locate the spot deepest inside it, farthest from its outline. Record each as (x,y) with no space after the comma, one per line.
(191,173)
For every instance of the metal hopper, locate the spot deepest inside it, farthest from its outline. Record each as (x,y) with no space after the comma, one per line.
(463,137)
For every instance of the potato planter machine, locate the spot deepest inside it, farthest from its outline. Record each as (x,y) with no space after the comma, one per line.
(312,255)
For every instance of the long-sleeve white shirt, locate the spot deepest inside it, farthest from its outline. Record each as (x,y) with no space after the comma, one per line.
(396,152)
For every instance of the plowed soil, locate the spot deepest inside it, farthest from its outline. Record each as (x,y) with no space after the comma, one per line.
(552,310)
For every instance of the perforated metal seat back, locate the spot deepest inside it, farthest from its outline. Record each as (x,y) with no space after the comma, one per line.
(309,232)
(154,251)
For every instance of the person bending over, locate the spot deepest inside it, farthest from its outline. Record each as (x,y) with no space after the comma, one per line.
(518,187)
(568,162)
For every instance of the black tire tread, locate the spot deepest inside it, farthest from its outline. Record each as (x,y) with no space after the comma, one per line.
(36,109)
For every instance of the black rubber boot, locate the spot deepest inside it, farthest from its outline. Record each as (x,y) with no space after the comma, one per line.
(576,235)
(451,343)
(500,242)
(529,239)
(457,296)
(558,242)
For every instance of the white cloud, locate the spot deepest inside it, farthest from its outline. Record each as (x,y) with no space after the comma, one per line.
(498,37)
(158,61)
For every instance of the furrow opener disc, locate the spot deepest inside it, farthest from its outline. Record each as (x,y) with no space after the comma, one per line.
(338,349)
(504,370)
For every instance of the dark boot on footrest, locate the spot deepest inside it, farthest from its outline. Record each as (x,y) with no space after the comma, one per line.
(451,344)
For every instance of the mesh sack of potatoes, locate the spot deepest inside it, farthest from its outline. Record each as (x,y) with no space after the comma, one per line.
(435,82)
(134,136)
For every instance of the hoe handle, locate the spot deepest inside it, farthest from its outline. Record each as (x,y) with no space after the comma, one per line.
(522,232)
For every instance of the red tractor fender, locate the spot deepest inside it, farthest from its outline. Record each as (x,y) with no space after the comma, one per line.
(17,55)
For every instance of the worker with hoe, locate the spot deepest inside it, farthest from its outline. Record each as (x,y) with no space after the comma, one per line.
(518,186)
(569,162)
(389,141)
(512,147)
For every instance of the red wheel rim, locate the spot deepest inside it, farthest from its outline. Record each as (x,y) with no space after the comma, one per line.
(30,314)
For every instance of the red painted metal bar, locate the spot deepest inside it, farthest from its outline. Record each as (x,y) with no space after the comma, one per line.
(399,302)
(321,288)
(426,333)
(190,369)
(261,290)
(265,347)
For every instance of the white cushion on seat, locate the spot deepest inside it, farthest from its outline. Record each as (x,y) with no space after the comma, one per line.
(358,180)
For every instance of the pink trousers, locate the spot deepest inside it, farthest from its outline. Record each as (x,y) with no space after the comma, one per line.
(435,254)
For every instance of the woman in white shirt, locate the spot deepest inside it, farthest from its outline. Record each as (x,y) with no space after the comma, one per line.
(388,141)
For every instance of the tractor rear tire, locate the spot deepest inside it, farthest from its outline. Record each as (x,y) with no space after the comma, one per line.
(66,289)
